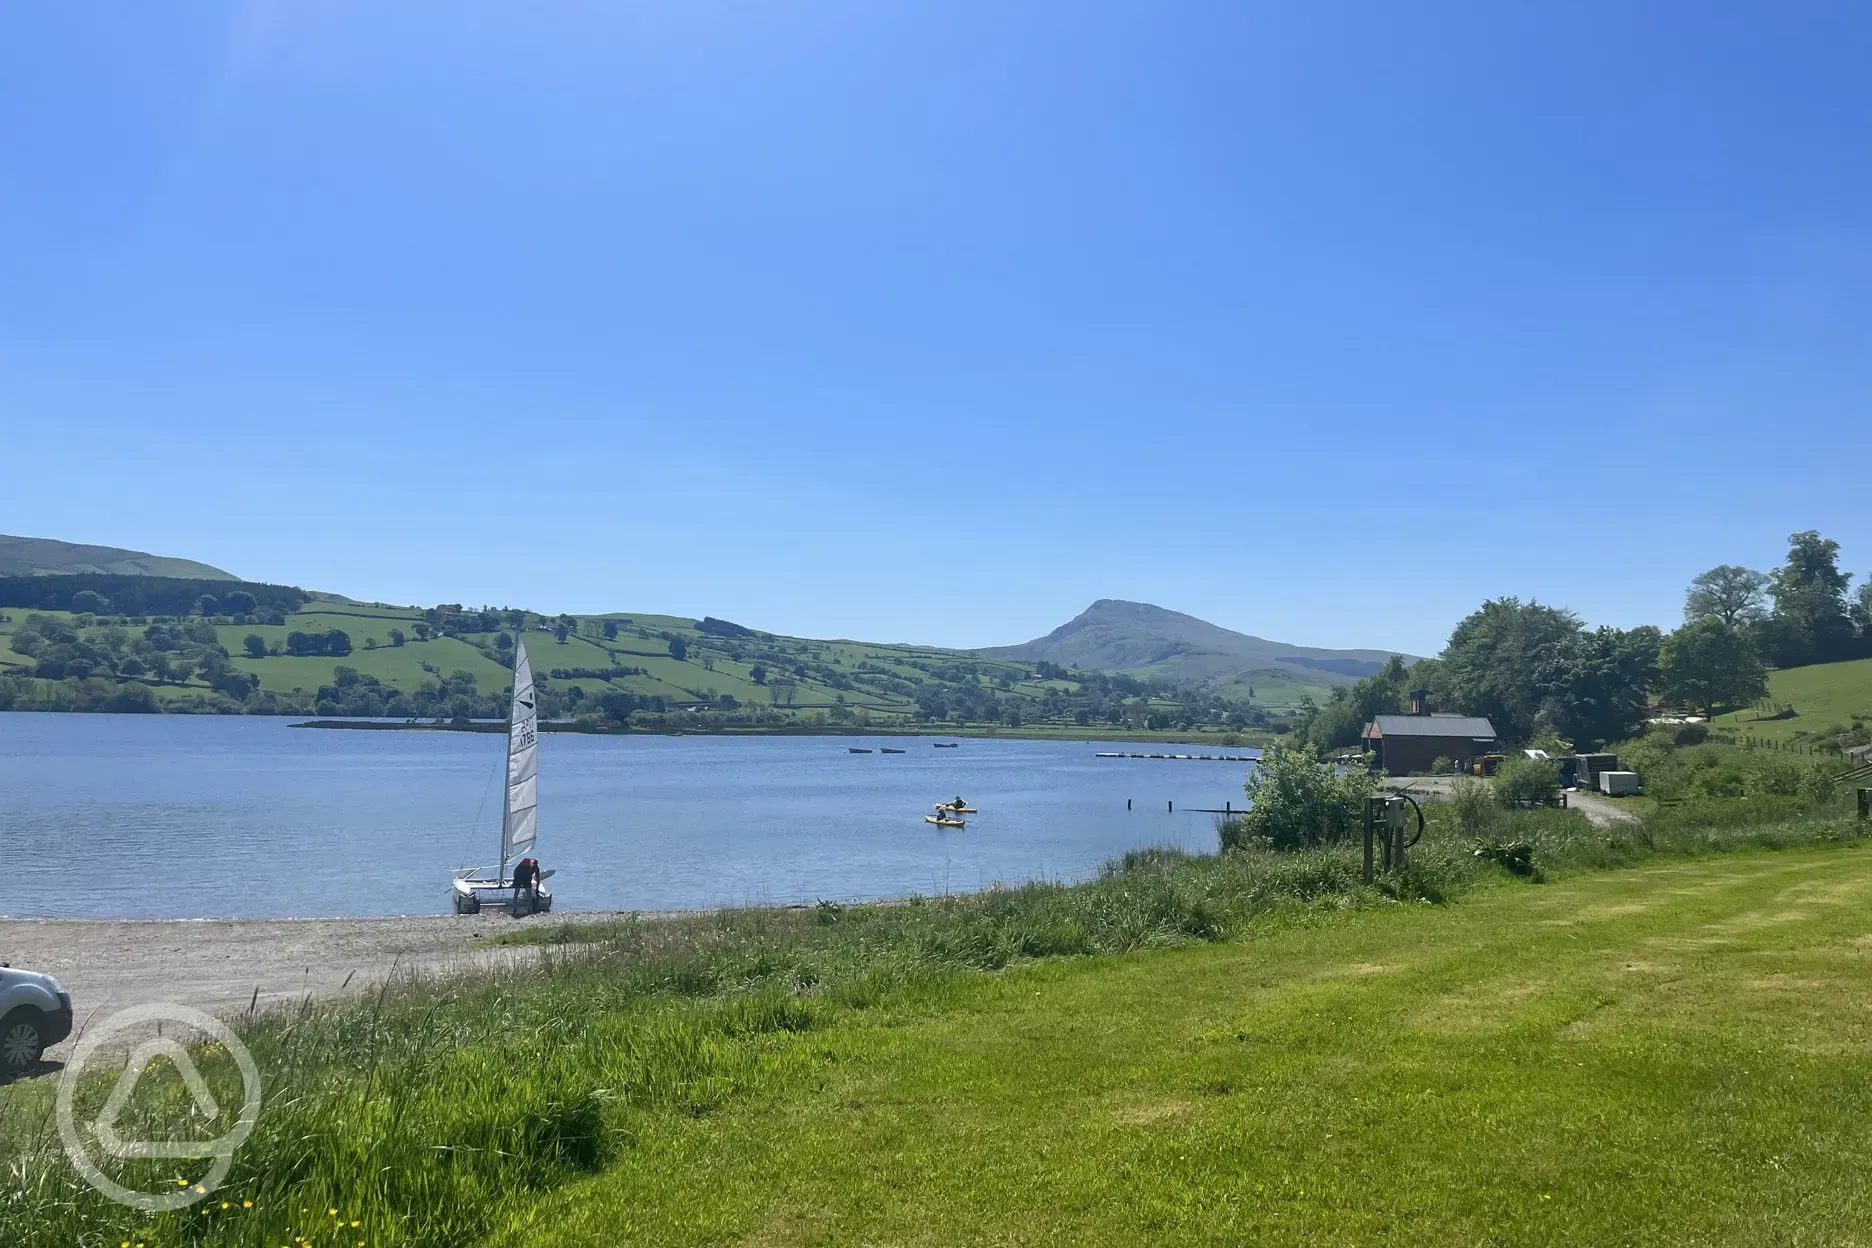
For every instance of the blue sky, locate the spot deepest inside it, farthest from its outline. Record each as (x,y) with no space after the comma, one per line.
(936,322)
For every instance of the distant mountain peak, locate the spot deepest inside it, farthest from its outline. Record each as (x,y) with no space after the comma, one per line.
(1118,635)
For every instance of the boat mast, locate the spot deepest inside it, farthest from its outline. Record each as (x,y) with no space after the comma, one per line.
(500,876)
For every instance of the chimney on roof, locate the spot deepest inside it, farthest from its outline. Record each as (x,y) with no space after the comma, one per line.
(1420,702)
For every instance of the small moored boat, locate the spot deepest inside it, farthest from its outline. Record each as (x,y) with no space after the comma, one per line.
(852,749)
(885,749)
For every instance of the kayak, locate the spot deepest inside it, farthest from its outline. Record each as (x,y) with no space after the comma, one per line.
(945,823)
(957,810)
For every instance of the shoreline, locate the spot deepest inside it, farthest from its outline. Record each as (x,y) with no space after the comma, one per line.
(226,966)
(1247,741)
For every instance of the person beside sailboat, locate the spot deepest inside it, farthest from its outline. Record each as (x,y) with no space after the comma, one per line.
(519,813)
(526,878)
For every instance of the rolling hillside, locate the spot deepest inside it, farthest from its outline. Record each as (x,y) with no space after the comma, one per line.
(410,662)
(1144,640)
(113,633)
(1825,700)
(44,556)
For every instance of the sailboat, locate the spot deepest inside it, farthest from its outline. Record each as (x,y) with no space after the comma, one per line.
(474,886)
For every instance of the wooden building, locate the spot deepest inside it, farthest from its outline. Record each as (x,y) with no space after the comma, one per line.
(1409,744)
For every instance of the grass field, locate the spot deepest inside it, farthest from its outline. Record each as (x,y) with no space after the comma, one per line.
(1672,1054)
(1826,698)
(1251,1048)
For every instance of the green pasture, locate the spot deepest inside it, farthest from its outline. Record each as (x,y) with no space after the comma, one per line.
(1675,1054)
(400,666)
(1276,689)
(359,628)
(1825,697)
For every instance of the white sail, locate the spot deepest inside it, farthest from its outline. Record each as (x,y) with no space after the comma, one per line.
(520,823)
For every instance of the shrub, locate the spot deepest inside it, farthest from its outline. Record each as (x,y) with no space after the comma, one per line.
(1476,807)
(1776,775)
(1442,766)
(1298,802)
(1527,782)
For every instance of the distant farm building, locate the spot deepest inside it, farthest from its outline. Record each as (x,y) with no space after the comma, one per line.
(1411,743)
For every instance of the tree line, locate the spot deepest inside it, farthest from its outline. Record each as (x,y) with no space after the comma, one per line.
(1537,672)
(102,593)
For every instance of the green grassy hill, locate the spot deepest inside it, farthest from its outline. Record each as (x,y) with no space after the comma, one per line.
(44,556)
(664,665)
(1825,699)
(1120,667)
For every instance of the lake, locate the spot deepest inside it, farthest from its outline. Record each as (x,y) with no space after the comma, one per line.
(175,816)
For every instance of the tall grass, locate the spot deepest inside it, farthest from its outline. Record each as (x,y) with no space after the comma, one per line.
(415,1112)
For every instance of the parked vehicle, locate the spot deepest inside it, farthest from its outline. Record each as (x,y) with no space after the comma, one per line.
(35,1014)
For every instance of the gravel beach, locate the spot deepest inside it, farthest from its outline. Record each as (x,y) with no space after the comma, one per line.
(217,964)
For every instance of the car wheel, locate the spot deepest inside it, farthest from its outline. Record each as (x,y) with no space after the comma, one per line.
(21,1041)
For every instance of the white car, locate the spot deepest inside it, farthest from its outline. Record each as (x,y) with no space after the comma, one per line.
(35,1014)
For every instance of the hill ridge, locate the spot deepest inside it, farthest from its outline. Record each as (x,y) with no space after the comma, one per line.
(1119,635)
(49,556)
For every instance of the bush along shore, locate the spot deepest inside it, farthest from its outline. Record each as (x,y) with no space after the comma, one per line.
(431,1110)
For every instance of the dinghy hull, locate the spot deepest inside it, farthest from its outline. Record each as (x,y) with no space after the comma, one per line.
(471,892)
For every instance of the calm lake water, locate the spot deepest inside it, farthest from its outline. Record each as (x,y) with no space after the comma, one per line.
(173,816)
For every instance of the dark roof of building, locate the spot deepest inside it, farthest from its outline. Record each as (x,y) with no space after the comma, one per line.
(1469,726)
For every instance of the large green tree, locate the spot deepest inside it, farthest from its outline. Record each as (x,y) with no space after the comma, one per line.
(1736,595)
(1710,666)
(1594,686)
(1496,659)
(1810,623)
(1532,668)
